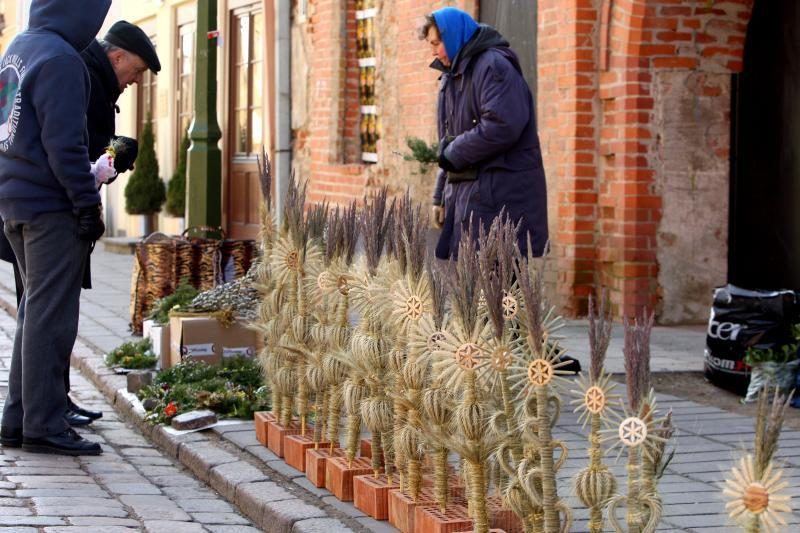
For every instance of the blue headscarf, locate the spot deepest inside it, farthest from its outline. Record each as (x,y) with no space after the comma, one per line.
(456,28)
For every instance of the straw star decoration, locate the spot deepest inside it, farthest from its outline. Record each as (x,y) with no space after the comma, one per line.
(756,497)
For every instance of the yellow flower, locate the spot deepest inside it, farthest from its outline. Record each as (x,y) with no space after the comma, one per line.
(756,497)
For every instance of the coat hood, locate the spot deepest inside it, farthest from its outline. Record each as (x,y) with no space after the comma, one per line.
(76,21)
(455,27)
(485,37)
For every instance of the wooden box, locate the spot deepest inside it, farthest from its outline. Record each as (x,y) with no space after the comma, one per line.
(371,494)
(429,519)
(339,475)
(316,459)
(262,418)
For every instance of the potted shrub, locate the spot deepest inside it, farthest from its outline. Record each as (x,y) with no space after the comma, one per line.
(176,188)
(145,192)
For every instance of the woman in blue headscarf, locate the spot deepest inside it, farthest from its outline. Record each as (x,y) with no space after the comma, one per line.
(490,157)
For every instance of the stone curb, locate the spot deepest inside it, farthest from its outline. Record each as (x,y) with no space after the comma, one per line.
(286,506)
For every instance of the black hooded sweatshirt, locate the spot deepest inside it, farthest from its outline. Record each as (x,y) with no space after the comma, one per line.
(44,92)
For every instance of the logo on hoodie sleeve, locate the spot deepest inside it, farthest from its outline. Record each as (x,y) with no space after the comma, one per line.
(11,73)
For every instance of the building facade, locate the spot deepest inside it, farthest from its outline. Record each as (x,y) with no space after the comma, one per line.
(640,105)
(634,110)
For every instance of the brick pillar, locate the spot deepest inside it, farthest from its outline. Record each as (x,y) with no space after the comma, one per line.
(568,131)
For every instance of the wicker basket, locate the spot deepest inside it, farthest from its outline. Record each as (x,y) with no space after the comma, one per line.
(162,262)
(157,271)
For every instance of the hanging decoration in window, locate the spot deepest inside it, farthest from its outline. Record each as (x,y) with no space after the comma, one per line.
(370,126)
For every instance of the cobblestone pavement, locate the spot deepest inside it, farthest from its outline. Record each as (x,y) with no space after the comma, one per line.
(133,486)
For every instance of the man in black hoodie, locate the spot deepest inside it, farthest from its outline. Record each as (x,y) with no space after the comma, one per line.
(52,212)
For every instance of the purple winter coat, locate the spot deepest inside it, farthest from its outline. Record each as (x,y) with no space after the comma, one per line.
(486,105)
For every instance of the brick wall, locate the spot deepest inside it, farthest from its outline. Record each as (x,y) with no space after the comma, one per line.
(636,148)
(327,149)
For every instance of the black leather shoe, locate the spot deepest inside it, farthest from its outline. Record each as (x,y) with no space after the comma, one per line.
(75,420)
(94,415)
(66,443)
(11,437)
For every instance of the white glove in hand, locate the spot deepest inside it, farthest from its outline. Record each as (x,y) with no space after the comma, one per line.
(103,169)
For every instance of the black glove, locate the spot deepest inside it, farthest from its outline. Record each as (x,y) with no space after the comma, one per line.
(445,163)
(126,151)
(90,222)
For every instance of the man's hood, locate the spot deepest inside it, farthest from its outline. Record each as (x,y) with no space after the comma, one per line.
(77,21)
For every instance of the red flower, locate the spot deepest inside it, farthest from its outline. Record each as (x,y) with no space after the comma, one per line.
(171,409)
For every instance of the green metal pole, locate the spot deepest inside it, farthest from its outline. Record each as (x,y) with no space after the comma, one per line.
(204,164)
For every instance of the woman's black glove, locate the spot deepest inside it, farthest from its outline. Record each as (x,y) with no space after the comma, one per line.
(445,163)
(90,222)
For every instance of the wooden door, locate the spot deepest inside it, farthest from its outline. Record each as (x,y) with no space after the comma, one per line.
(246,113)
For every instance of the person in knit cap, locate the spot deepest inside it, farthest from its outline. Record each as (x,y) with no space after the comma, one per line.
(114,62)
(490,160)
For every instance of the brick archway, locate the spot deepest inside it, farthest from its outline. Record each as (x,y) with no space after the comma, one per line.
(616,169)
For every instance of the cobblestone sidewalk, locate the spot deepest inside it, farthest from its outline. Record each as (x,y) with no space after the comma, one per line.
(131,487)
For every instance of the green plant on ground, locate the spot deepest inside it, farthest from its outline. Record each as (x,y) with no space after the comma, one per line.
(133,355)
(176,188)
(232,389)
(780,355)
(145,191)
(182,296)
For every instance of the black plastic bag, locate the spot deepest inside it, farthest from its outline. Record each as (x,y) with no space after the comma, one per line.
(741,319)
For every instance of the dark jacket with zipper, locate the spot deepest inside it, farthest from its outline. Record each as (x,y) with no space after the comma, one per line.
(102,110)
(485,111)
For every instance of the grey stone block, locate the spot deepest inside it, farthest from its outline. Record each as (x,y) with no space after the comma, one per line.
(251,498)
(204,505)
(167,526)
(281,516)
(220,518)
(320,525)
(154,507)
(226,477)
(201,457)
(194,420)
(137,379)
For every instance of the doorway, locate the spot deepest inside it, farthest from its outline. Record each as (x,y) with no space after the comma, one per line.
(246,119)
(764,232)
(516,20)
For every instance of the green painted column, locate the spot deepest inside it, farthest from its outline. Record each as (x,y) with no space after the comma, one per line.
(204,164)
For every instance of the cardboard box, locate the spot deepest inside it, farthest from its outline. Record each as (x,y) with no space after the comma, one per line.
(159,337)
(204,339)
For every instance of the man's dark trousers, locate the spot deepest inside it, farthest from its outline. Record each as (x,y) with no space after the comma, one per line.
(51,260)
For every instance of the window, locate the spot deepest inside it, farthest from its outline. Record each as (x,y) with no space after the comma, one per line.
(185,81)
(248,85)
(147,100)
